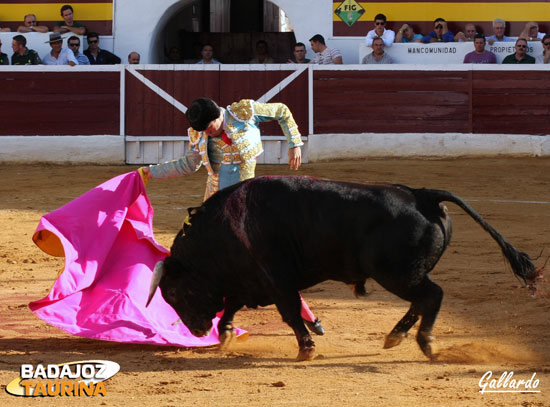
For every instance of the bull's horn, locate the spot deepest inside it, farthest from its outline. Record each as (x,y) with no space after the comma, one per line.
(155,280)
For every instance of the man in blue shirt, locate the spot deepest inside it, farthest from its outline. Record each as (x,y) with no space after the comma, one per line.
(440,33)
(74,45)
(499,25)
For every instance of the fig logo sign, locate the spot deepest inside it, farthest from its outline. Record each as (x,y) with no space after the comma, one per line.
(85,378)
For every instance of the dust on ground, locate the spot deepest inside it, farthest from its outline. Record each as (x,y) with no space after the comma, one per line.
(487,322)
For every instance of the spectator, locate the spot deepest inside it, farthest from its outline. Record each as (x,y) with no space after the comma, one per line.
(388,36)
(299,54)
(31,25)
(68,23)
(262,54)
(3,57)
(499,25)
(99,56)
(58,55)
(174,56)
(520,56)
(479,55)
(406,34)
(74,46)
(5,30)
(531,32)
(468,34)
(207,54)
(377,56)
(440,33)
(21,54)
(134,58)
(544,58)
(325,55)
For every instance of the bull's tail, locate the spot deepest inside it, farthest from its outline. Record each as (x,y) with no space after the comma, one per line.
(521,264)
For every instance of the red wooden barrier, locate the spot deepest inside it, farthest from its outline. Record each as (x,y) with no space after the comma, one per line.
(59,103)
(344,101)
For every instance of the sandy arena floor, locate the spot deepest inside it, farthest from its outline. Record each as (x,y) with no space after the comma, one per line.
(486,322)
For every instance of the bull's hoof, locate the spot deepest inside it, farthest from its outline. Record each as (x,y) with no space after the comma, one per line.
(425,341)
(394,339)
(306,354)
(226,337)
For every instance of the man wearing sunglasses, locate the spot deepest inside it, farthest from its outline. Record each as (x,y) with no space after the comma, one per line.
(99,56)
(74,46)
(520,56)
(380,31)
(544,58)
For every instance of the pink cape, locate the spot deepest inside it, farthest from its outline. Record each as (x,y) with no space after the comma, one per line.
(106,237)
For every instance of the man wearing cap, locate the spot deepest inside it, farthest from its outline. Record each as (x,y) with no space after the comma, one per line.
(227,142)
(59,55)
(21,54)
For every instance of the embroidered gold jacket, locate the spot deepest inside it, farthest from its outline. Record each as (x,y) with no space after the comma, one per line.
(241,124)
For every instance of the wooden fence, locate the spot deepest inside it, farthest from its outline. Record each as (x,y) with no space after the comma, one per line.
(324,100)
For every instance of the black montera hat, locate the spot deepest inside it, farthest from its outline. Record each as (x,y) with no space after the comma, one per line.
(201,112)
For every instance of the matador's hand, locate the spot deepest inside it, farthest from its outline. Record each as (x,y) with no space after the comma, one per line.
(294,158)
(145,174)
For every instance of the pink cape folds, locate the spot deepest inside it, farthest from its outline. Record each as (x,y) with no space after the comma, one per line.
(106,237)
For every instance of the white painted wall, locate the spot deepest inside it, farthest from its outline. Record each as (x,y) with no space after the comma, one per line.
(62,149)
(139,25)
(324,147)
(310,17)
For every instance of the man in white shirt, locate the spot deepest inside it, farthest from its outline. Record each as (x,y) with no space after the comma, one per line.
(59,55)
(207,54)
(388,36)
(324,55)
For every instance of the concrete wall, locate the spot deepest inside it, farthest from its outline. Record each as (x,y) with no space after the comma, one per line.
(62,149)
(324,147)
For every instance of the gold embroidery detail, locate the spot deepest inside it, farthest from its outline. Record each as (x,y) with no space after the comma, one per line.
(242,110)
(246,170)
(252,153)
(212,185)
(194,136)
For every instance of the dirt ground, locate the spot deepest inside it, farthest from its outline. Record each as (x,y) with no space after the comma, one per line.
(486,323)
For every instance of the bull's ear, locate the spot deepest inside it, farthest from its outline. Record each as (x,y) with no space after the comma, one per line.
(158,273)
(195,210)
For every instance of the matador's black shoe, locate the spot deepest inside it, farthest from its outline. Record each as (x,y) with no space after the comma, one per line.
(315,327)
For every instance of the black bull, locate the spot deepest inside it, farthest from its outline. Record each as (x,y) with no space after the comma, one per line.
(262,241)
